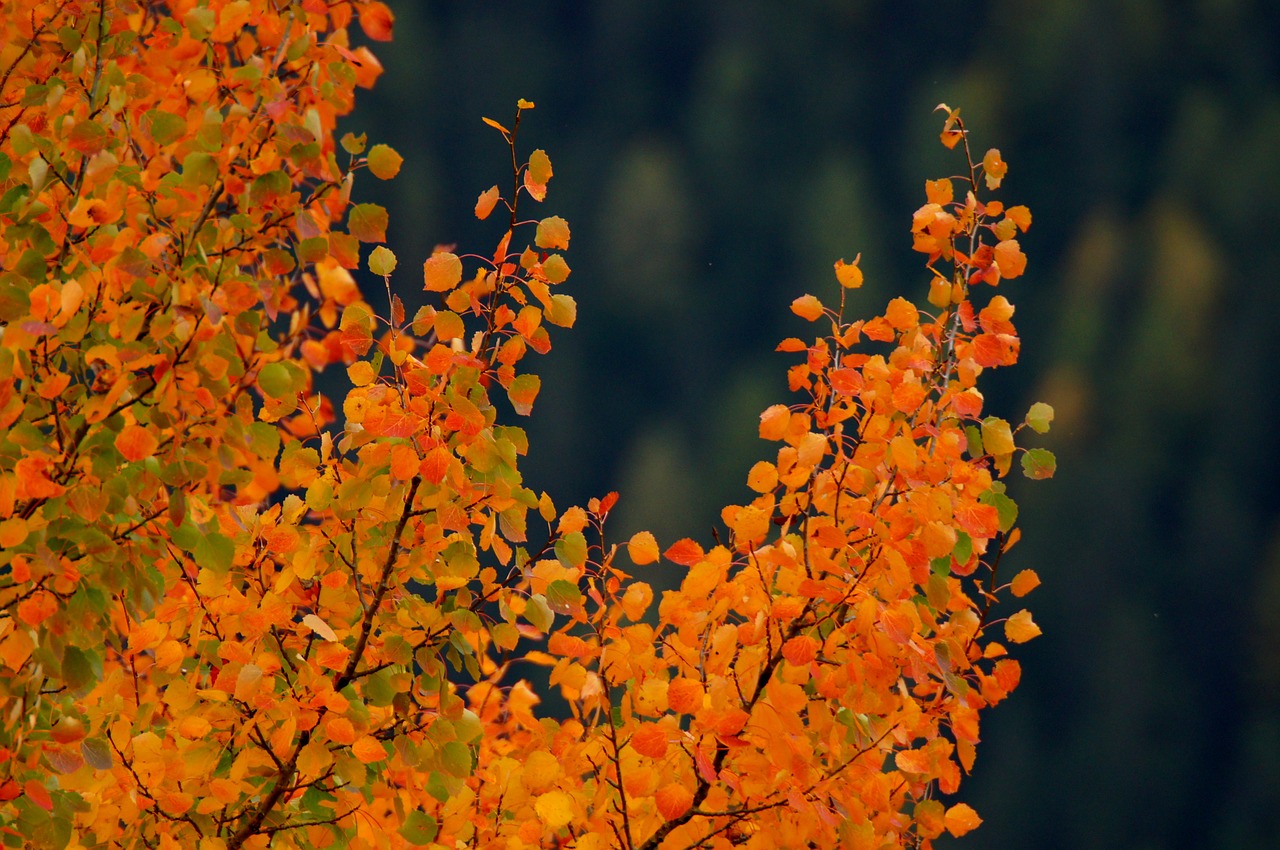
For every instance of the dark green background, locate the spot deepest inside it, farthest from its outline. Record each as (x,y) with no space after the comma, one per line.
(714,159)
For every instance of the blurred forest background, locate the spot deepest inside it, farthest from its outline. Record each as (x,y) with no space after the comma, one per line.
(715,158)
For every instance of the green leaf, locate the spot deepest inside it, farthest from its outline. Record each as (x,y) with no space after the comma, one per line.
(538,613)
(419,828)
(571,550)
(80,670)
(1005,507)
(199,169)
(563,596)
(455,757)
(214,551)
(163,127)
(368,223)
(96,752)
(1039,417)
(275,380)
(1039,463)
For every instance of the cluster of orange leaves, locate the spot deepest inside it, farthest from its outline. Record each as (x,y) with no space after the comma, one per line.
(229,620)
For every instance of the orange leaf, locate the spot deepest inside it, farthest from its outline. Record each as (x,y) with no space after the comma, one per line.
(994,168)
(643,548)
(1010,259)
(961,818)
(1020,628)
(442,272)
(486,202)
(1025,582)
(800,650)
(368,749)
(684,696)
(638,598)
(340,730)
(807,307)
(901,314)
(1019,215)
(650,740)
(136,442)
(685,552)
(774,422)
(848,274)
(673,800)
(39,794)
(376,20)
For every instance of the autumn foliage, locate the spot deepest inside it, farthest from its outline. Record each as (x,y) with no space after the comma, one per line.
(234,613)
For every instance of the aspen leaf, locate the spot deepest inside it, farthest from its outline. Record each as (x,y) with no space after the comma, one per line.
(442,272)
(960,819)
(807,307)
(136,442)
(554,808)
(1020,628)
(541,769)
(774,422)
(552,233)
(562,311)
(37,793)
(361,373)
(848,274)
(994,168)
(800,650)
(638,597)
(555,269)
(320,627)
(650,740)
(539,613)
(901,314)
(1020,216)
(525,104)
(382,261)
(368,223)
(539,167)
(642,548)
(369,749)
(1024,582)
(384,162)
(486,202)
(997,437)
(495,125)
(419,828)
(673,800)
(1039,463)
(1039,417)
(763,477)
(522,392)
(377,20)
(684,552)
(1010,259)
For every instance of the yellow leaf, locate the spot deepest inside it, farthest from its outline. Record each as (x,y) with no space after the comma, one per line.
(994,168)
(554,808)
(1020,628)
(1025,582)
(320,627)
(552,232)
(961,818)
(361,373)
(541,769)
(997,438)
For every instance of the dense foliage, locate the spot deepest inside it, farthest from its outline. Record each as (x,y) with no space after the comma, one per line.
(232,618)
